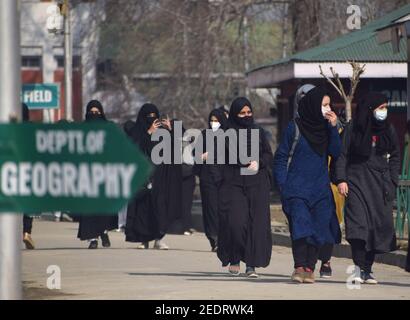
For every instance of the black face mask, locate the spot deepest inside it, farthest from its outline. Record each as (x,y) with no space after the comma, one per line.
(94,116)
(246,121)
(151,120)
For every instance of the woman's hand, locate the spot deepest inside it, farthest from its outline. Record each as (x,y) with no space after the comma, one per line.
(331,117)
(343,188)
(155,125)
(205,156)
(253,165)
(166,123)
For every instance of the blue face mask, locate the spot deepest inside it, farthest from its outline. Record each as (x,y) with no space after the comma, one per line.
(380,115)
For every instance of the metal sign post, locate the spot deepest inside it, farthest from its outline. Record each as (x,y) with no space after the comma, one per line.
(68,62)
(10,107)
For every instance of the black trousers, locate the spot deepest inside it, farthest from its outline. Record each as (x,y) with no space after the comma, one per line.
(27,224)
(325,252)
(209,197)
(362,258)
(304,254)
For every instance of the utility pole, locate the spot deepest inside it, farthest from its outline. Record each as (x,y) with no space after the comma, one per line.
(68,62)
(10,109)
(246,48)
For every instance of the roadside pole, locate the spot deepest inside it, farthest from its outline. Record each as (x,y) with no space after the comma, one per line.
(68,62)
(10,106)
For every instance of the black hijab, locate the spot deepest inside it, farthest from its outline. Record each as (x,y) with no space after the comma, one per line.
(237,122)
(26,114)
(220,115)
(143,120)
(312,125)
(365,126)
(89,116)
(140,133)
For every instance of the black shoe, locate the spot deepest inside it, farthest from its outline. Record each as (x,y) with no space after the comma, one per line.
(93,244)
(105,240)
(325,270)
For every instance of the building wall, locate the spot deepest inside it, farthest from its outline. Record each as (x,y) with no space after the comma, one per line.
(36,41)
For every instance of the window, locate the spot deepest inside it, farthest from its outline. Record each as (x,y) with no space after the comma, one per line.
(31,61)
(76,62)
(106,73)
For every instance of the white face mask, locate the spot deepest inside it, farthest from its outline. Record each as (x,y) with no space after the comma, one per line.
(380,115)
(215,125)
(325,110)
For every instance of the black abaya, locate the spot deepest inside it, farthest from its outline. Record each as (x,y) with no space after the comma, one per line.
(154,208)
(93,226)
(209,181)
(244,226)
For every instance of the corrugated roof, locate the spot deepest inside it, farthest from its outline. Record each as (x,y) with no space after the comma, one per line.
(360,45)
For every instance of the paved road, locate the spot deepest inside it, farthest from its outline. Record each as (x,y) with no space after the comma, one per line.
(187,271)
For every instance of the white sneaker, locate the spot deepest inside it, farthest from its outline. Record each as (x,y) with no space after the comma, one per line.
(358,280)
(368,278)
(66,218)
(160,245)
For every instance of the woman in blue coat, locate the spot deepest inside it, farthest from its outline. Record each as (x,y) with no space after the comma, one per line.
(302,175)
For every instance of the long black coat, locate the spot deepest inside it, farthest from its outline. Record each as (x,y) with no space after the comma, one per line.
(93,226)
(372,186)
(244,213)
(159,203)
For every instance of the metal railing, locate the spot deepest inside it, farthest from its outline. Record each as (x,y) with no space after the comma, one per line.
(403,195)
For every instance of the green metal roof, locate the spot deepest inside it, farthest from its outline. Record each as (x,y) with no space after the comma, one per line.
(360,45)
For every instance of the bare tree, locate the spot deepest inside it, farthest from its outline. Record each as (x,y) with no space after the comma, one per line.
(189,56)
(337,84)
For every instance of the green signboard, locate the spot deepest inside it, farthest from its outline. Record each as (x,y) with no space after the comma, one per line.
(81,168)
(41,95)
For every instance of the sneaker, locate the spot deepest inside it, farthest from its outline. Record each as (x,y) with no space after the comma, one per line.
(298,275)
(160,245)
(143,245)
(358,279)
(251,273)
(325,270)
(368,278)
(93,244)
(234,269)
(187,233)
(28,241)
(121,229)
(105,240)
(309,276)
(66,218)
